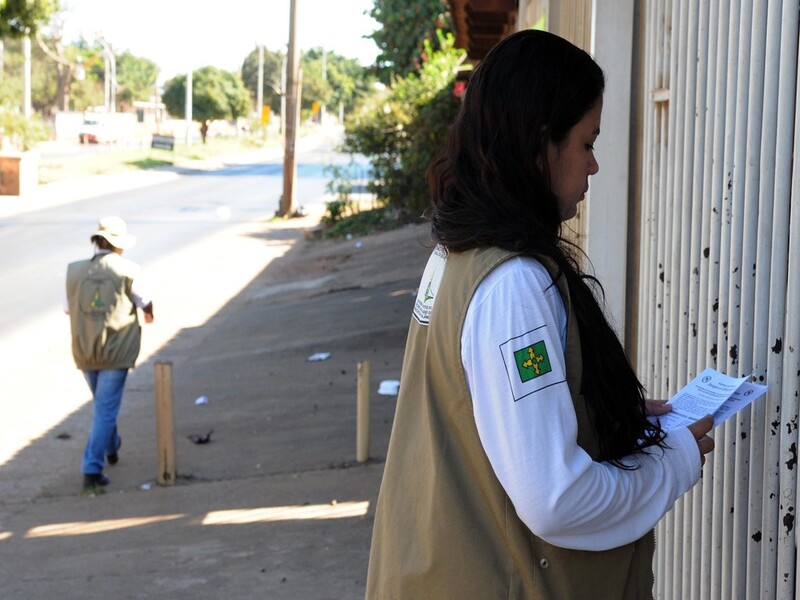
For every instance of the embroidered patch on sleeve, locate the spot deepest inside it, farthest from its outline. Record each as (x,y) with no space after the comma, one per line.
(527,361)
(532,361)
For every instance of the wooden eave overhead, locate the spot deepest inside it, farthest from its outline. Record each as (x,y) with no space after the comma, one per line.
(480,24)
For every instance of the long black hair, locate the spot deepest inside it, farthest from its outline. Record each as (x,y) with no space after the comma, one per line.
(491,187)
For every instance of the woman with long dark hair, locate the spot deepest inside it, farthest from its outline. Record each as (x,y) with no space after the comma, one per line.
(522,462)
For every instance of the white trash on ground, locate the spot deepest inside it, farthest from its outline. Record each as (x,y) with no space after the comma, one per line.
(389,387)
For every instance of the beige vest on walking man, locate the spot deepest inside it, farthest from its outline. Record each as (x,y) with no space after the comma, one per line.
(106,333)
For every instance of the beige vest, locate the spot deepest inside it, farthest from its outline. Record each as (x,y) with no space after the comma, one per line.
(444,527)
(105,325)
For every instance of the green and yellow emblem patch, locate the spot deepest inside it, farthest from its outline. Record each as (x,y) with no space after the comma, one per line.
(532,361)
(97,301)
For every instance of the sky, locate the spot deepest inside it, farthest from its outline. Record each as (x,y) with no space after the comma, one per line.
(179,35)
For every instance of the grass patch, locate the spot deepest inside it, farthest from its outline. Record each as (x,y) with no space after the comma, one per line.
(150,163)
(127,159)
(366,222)
(56,169)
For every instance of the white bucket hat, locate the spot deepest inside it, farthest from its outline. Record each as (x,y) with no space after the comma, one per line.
(115,231)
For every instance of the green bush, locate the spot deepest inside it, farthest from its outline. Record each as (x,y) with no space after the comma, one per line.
(23,133)
(364,222)
(336,210)
(400,130)
(341,184)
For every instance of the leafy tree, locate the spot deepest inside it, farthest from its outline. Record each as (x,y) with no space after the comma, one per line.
(273,64)
(56,84)
(18,17)
(237,96)
(345,80)
(90,91)
(405,27)
(54,68)
(136,77)
(216,94)
(56,64)
(86,93)
(44,78)
(350,81)
(315,88)
(11,81)
(55,71)
(401,130)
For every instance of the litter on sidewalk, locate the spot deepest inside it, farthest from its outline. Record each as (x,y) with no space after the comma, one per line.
(199,438)
(319,356)
(389,387)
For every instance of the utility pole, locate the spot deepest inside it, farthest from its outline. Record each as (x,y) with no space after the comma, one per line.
(292,111)
(110,76)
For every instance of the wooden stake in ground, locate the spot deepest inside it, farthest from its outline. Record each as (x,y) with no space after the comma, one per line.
(165,435)
(362,412)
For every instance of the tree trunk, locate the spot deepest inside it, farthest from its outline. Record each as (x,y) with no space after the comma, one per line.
(64,84)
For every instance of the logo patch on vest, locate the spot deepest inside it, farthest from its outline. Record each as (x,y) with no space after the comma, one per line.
(97,302)
(528,364)
(97,296)
(429,286)
(532,361)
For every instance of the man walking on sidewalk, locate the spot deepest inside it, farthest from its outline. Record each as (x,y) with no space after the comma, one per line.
(103,295)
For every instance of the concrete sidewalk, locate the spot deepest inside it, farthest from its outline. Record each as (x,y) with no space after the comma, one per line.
(275,506)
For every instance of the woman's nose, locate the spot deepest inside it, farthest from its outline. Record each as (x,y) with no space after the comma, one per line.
(594,166)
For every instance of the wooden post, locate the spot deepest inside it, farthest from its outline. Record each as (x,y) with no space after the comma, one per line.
(165,435)
(292,115)
(362,412)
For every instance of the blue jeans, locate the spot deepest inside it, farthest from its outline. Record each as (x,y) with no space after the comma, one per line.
(106,386)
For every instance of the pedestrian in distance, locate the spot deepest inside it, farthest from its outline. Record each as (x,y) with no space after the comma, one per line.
(104,295)
(522,463)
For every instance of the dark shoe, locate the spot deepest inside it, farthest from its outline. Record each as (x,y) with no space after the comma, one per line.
(94,480)
(114,458)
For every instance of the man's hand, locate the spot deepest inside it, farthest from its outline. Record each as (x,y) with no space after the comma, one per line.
(148,313)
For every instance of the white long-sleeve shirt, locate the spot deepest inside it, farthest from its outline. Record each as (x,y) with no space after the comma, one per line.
(513,333)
